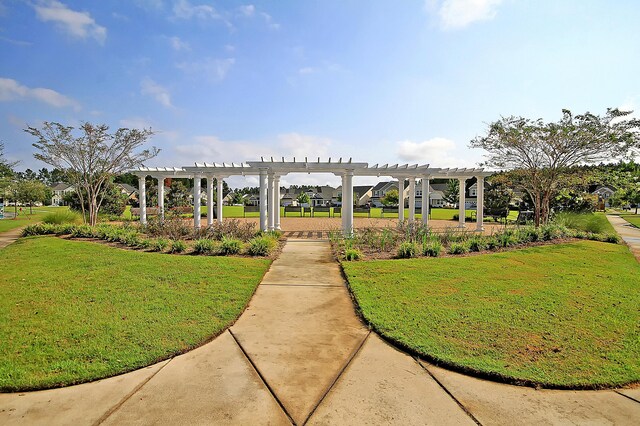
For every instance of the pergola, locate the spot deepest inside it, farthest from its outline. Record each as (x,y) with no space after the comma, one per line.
(270,171)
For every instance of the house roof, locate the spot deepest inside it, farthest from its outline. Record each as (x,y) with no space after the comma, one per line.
(362,189)
(130,189)
(60,186)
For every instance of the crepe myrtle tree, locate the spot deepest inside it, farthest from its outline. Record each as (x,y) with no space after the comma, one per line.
(92,157)
(539,154)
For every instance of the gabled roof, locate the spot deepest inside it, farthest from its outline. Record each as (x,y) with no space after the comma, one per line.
(362,189)
(130,189)
(60,186)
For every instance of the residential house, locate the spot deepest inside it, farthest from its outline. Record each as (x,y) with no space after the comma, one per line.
(604,192)
(381,188)
(130,191)
(59,190)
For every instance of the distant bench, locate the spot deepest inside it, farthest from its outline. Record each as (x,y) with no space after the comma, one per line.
(292,209)
(250,209)
(389,210)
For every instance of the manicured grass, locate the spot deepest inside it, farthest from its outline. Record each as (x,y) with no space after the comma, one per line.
(561,315)
(633,219)
(25,218)
(587,222)
(75,311)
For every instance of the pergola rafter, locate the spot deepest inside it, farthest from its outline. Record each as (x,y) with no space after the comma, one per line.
(270,171)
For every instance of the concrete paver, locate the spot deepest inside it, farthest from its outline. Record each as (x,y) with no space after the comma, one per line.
(81,404)
(499,404)
(213,384)
(385,386)
(629,233)
(300,336)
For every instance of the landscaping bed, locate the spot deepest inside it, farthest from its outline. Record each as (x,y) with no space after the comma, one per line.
(73,311)
(559,316)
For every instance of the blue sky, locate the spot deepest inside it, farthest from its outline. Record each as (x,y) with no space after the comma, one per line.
(379,81)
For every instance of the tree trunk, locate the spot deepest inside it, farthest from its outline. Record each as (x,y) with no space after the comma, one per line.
(31,208)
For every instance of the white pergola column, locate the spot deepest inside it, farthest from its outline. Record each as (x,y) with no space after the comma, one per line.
(220,191)
(263,199)
(209,200)
(347,203)
(480,204)
(461,201)
(271,202)
(412,199)
(197,183)
(276,204)
(400,200)
(160,197)
(342,215)
(425,201)
(142,198)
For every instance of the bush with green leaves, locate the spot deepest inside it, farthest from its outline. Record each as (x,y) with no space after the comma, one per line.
(352,254)
(61,216)
(159,244)
(82,231)
(205,246)
(529,234)
(231,246)
(432,248)
(261,246)
(407,250)
(177,246)
(458,248)
(38,229)
(145,243)
(477,243)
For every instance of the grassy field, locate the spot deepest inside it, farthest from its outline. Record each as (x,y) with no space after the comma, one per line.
(436,213)
(633,219)
(25,218)
(561,315)
(75,311)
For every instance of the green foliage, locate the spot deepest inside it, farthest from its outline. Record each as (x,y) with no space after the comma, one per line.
(159,244)
(205,246)
(407,250)
(230,246)
(391,198)
(261,246)
(352,254)
(477,243)
(452,192)
(432,248)
(458,248)
(303,198)
(62,216)
(177,246)
(587,222)
(82,231)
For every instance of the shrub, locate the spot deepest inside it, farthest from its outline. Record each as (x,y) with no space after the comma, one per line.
(231,246)
(476,243)
(61,216)
(407,250)
(234,229)
(506,239)
(587,222)
(204,246)
(261,246)
(492,243)
(177,246)
(159,244)
(82,231)
(130,239)
(38,229)
(432,249)
(529,234)
(144,243)
(610,238)
(352,254)
(458,248)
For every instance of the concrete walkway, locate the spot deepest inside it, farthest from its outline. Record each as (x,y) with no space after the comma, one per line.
(629,233)
(9,237)
(300,355)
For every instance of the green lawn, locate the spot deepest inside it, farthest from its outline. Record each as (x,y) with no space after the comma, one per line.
(75,311)
(25,218)
(561,315)
(587,222)
(633,219)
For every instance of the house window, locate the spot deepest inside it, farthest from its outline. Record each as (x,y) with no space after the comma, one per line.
(472,192)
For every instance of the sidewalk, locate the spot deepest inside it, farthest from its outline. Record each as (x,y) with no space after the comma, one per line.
(629,233)
(10,236)
(299,354)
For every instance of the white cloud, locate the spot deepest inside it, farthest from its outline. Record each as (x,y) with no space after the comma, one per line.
(16,42)
(178,44)
(214,69)
(300,146)
(247,10)
(135,123)
(183,9)
(269,21)
(77,24)
(438,152)
(456,14)
(159,93)
(10,90)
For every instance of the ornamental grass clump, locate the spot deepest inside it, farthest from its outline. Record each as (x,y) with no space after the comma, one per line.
(230,246)
(432,248)
(177,246)
(61,216)
(458,248)
(352,255)
(476,243)
(408,250)
(159,244)
(261,246)
(205,246)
